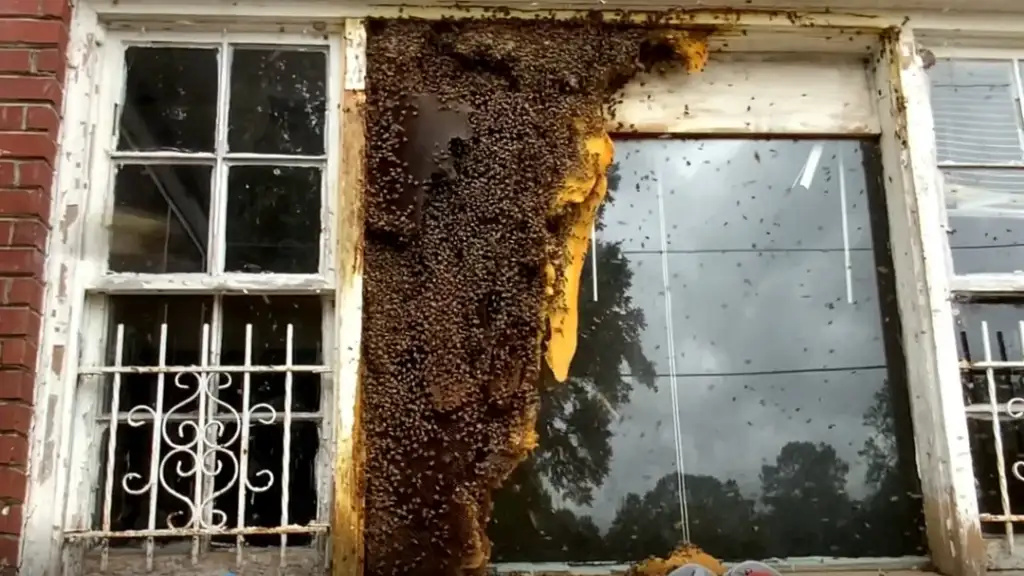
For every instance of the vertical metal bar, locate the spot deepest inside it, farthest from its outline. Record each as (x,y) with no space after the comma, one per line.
(203,381)
(155,444)
(209,431)
(287,453)
(993,402)
(243,453)
(325,451)
(115,407)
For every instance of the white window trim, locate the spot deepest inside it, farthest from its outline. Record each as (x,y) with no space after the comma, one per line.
(944,43)
(77,265)
(913,198)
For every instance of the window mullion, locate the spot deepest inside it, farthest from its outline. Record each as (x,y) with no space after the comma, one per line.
(920,253)
(218,206)
(1018,97)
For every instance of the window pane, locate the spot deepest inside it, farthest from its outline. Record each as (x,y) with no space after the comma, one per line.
(278,101)
(170,100)
(273,221)
(142,317)
(792,413)
(270,318)
(976,118)
(985,209)
(161,218)
(1005,345)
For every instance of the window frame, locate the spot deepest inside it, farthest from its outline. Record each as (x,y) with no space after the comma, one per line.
(98,285)
(77,323)
(895,73)
(984,286)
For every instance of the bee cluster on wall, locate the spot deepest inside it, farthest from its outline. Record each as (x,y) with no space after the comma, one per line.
(476,132)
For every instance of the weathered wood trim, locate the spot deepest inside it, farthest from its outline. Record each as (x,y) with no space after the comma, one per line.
(917,214)
(752,94)
(346,524)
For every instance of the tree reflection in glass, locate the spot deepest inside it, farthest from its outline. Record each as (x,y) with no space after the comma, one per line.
(755,281)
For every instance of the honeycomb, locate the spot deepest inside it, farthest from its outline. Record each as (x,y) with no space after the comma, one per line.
(486,160)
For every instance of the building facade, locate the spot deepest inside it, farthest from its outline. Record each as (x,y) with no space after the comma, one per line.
(800,325)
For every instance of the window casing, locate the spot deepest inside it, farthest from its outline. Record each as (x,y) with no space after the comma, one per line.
(82,269)
(199,321)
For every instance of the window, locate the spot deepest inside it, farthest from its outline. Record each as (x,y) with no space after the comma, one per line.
(979,131)
(738,381)
(204,401)
(199,375)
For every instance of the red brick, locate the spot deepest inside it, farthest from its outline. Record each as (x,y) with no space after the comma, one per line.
(20,8)
(31,174)
(31,233)
(18,31)
(55,9)
(16,202)
(10,518)
(19,322)
(17,385)
(14,417)
(40,8)
(9,550)
(27,145)
(13,485)
(15,60)
(18,353)
(50,62)
(34,174)
(12,117)
(13,449)
(32,89)
(27,292)
(21,262)
(42,117)
(8,174)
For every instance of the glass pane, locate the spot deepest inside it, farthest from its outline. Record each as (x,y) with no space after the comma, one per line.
(1005,344)
(161,218)
(976,118)
(273,220)
(270,318)
(142,317)
(985,209)
(793,418)
(278,102)
(170,100)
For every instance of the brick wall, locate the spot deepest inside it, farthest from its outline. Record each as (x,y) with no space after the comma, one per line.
(33,40)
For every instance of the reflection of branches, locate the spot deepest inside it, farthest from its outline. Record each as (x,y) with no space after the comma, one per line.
(880,448)
(574,450)
(721,520)
(573,425)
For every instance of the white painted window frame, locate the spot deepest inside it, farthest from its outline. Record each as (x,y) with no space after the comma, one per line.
(76,331)
(899,88)
(943,44)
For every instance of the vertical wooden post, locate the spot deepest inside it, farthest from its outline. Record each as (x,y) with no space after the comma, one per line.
(916,212)
(347,521)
